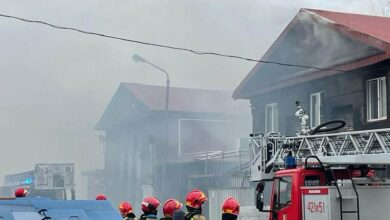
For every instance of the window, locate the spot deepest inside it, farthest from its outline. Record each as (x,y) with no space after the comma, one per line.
(376,99)
(271,117)
(312,181)
(317,109)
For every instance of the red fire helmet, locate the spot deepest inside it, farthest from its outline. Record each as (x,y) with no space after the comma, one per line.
(231,206)
(101,197)
(125,208)
(195,198)
(21,192)
(170,206)
(371,173)
(150,204)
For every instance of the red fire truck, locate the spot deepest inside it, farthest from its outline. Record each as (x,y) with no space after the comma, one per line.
(339,176)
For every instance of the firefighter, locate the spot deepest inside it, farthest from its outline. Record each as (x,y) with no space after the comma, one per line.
(21,192)
(149,208)
(178,215)
(194,202)
(169,207)
(126,211)
(230,209)
(101,197)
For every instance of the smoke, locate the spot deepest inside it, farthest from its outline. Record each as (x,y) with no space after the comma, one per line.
(55,84)
(328,47)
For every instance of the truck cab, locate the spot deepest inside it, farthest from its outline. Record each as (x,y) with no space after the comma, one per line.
(281,196)
(324,193)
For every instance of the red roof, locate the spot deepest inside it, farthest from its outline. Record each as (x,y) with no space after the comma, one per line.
(374,26)
(132,101)
(369,34)
(183,99)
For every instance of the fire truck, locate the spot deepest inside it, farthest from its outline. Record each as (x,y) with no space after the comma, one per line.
(54,180)
(314,176)
(48,185)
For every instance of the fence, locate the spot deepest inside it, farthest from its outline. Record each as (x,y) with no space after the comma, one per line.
(246,197)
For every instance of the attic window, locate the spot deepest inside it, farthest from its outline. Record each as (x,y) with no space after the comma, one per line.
(376,99)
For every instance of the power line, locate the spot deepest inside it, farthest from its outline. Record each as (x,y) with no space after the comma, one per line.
(197,52)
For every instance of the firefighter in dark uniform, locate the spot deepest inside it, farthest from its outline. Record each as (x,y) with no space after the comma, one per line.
(230,209)
(178,215)
(101,197)
(169,207)
(21,192)
(149,208)
(194,202)
(126,211)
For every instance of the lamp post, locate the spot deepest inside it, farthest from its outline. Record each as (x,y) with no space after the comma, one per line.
(139,59)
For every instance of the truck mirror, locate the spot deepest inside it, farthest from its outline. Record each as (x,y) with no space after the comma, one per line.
(260,196)
(263,196)
(260,201)
(260,187)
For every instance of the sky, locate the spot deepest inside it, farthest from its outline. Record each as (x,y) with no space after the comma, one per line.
(55,84)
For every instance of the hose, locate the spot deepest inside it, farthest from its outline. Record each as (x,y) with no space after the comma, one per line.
(321,128)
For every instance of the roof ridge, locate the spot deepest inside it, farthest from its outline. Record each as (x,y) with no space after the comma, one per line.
(341,12)
(348,20)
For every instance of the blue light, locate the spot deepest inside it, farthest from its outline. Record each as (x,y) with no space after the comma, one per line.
(27,181)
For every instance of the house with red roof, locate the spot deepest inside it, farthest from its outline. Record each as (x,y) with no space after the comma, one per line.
(151,151)
(336,64)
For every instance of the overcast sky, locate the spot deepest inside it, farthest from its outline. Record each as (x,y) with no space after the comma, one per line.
(55,84)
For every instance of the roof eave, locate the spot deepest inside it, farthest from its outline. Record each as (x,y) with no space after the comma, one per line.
(318,74)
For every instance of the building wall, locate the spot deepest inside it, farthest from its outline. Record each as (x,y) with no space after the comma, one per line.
(129,160)
(95,183)
(345,98)
(135,157)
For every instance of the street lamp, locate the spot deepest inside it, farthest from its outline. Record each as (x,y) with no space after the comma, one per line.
(139,59)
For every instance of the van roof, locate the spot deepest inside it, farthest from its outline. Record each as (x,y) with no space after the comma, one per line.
(28,207)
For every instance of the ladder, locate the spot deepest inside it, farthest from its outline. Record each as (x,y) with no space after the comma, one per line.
(356,147)
(343,198)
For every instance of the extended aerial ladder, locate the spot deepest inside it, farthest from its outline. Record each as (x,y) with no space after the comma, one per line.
(370,147)
(330,171)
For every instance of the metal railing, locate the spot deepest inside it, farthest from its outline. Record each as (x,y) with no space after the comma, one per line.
(356,147)
(208,155)
(241,156)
